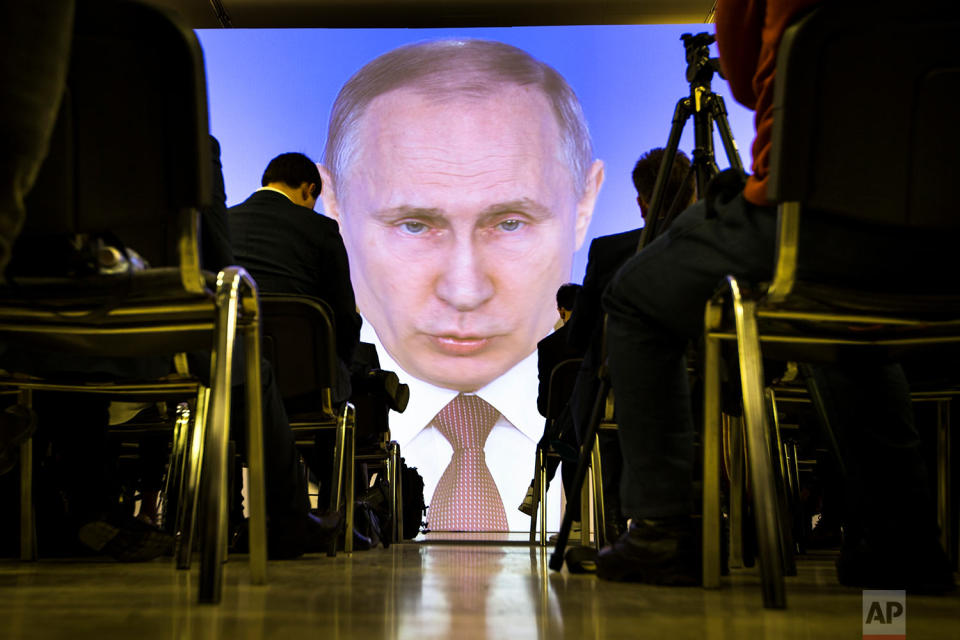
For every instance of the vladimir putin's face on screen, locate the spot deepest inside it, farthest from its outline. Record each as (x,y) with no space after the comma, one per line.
(460,210)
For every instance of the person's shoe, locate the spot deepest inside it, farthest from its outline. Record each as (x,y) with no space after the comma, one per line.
(581,559)
(616,525)
(918,567)
(128,540)
(574,537)
(17,425)
(290,538)
(662,551)
(527,505)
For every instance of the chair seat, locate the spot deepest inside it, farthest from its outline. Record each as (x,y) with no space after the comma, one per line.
(840,300)
(66,293)
(121,316)
(818,323)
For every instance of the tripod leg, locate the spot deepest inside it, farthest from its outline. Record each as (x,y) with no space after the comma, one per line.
(589,439)
(703,160)
(680,115)
(718,110)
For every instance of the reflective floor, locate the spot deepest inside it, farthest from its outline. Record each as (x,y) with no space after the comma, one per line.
(446,589)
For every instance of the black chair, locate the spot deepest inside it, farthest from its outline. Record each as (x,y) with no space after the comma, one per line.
(129,162)
(894,164)
(299,341)
(562,380)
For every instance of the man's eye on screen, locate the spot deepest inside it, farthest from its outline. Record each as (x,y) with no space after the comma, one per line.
(510,225)
(413,228)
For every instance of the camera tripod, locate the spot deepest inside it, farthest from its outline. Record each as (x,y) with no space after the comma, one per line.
(706,108)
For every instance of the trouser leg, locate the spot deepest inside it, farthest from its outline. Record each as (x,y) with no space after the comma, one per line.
(34,59)
(655,306)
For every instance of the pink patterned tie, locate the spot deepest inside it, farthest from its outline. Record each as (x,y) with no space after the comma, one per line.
(466,498)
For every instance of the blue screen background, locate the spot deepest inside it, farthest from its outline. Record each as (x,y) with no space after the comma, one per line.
(270,91)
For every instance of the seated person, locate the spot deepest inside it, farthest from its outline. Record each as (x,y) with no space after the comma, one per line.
(289,248)
(585,335)
(655,305)
(551,351)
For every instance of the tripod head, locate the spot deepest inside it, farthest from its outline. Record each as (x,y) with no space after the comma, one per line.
(700,66)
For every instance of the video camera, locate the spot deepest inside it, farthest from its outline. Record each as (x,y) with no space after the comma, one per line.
(700,66)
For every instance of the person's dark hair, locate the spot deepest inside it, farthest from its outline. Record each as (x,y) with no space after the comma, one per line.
(677,189)
(567,295)
(293,169)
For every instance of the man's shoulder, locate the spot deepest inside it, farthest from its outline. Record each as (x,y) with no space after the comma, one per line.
(623,238)
(556,339)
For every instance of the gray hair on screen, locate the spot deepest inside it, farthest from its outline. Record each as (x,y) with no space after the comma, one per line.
(454,68)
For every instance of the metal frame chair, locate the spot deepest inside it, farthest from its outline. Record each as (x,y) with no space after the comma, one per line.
(299,341)
(136,89)
(827,155)
(562,378)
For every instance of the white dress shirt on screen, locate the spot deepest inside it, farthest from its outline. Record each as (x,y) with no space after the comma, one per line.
(510,448)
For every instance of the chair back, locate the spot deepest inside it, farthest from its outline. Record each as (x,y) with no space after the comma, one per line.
(299,341)
(562,379)
(130,154)
(865,122)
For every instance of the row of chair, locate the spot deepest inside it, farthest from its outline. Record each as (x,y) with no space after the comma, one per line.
(130,162)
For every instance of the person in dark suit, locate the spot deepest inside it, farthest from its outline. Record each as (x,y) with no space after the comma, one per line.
(585,328)
(289,248)
(551,351)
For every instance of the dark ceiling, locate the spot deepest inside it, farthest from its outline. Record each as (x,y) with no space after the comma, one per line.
(203,14)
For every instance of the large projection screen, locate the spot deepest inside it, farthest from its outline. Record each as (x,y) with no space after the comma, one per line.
(271,91)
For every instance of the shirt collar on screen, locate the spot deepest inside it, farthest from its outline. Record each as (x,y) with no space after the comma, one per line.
(514,394)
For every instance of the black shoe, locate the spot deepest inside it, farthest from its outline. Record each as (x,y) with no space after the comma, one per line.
(17,424)
(581,560)
(290,538)
(918,567)
(125,540)
(616,525)
(664,551)
(360,542)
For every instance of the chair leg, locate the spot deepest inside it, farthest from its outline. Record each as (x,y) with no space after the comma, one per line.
(711,463)
(170,499)
(735,445)
(599,509)
(943,477)
(28,528)
(398,499)
(349,419)
(337,474)
(765,503)
(214,478)
(189,488)
(393,478)
(785,481)
(541,496)
(538,468)
(256,491)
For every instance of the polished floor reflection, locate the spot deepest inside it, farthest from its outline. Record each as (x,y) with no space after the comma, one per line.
(428,590)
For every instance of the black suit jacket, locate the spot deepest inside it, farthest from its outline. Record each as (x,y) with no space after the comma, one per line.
(607,255)
(551,351)
(291,249)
